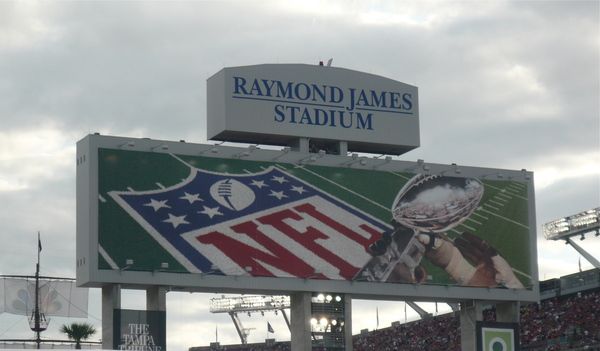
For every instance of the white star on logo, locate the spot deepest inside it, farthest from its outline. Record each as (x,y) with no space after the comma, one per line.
(298,189)
(191,197)
(176,220)
(278,194)
(280,180)
(211,212)
(258,183)
(157,205)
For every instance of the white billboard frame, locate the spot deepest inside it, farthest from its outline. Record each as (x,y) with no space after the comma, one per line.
(89,275)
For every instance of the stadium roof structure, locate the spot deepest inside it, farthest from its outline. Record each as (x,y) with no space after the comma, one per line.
(578,224)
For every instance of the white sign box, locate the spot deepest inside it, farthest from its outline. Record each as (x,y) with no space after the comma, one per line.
(279,103)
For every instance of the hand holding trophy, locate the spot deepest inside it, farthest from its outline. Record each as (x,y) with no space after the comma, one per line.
(426,205)
(424,209)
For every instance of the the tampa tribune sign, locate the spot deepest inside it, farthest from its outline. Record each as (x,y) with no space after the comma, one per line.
(275,103)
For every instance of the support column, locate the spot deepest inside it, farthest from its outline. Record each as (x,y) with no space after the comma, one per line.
(343,148)
(470,313)
(156,298)
(300,315)
(301,145)
(508,312)
(111,300)
(348,323)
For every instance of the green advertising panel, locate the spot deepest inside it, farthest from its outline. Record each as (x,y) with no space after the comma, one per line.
(227,216)
(495,336)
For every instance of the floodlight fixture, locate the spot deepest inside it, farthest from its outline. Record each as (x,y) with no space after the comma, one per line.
(312,157)
(457,170)
(247,152)
(386,160)
(577,224)
(161,147)
(421,164)
(213,149)
(354,158)
(163,266)
(130,143)
(128,264)
(249,303)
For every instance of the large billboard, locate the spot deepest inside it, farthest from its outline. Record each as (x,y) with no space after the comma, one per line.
(278,103)
(214,218)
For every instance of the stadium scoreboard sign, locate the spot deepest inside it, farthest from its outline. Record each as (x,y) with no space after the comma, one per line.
(277,103)
(214,218)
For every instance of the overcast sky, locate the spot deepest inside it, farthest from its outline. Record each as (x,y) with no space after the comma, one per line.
(501,84)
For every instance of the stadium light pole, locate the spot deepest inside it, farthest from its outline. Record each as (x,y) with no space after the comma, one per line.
(578,224)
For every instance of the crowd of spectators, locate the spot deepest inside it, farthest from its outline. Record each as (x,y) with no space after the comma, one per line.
(563,323)
(438,333)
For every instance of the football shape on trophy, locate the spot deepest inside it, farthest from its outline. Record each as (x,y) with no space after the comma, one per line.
(433,203)
(426,204)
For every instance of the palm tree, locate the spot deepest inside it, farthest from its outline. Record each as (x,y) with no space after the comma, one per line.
(78,332)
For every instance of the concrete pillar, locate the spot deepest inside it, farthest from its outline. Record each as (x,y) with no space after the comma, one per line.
(300,314)
(348,323)
(111,300)
(301,145)
(343,148)
(470,313)
(508,312)
(156,298)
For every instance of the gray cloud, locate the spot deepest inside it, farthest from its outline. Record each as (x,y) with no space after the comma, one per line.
(502,84)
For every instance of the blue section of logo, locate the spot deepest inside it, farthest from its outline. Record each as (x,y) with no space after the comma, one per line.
(209,199)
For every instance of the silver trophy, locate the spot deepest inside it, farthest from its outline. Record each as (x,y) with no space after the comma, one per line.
(427,204)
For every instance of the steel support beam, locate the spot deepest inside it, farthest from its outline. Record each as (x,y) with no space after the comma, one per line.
(238,326)
(584,253)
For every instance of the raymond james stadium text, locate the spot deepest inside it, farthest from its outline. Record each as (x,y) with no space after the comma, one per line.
(321,104)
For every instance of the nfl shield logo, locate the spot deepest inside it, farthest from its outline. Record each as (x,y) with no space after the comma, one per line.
(268,224)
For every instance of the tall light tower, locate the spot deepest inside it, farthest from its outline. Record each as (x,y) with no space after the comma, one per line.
(249,303)
(579,224)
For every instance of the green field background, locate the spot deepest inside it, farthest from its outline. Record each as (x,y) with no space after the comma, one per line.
(502,218)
